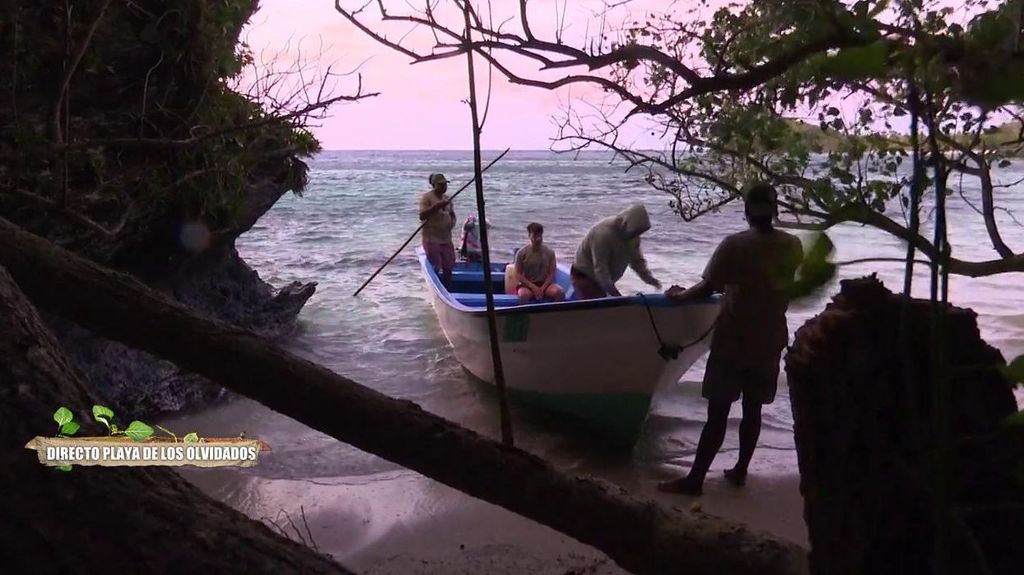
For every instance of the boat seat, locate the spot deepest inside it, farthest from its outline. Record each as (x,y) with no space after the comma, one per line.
(480,300)
(475,275)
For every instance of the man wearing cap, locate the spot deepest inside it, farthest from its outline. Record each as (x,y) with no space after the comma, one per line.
(438,219)
(754,268)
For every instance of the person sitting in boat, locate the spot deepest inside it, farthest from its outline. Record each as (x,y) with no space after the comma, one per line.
(755,269)
(438,219)
(611,245)
(534,278)
(470,249)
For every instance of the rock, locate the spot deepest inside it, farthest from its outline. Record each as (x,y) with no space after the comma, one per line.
(864,439)
(219,283)
(216,281)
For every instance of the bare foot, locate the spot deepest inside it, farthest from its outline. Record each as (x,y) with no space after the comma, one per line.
(737,477)
(683,486)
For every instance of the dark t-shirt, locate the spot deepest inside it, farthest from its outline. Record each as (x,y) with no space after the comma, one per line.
(755,269)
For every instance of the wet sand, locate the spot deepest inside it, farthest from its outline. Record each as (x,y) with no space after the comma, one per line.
(374,517)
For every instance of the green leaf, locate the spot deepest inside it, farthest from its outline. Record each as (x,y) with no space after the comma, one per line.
(70,428)
(63,415)
(993,81)
(860,62)
(192,438)
(1014,371)
(815,271)
(63,468)
(138,431)
(879,7)
(102,414)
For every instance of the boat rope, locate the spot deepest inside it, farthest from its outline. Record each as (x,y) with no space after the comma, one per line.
(670,352)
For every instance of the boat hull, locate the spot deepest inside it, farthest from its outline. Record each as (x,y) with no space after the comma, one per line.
(596,361)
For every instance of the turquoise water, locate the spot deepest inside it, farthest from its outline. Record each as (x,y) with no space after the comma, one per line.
(361,205)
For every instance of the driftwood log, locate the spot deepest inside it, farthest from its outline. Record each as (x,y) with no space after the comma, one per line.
(638,534)
(98,520)
(864,464)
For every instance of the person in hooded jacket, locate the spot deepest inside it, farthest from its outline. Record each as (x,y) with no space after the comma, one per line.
(610,246)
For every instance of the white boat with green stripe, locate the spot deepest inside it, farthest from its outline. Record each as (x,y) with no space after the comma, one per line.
(597,361)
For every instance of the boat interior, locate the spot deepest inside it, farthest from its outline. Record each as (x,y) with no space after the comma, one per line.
(468,285)
(467,290)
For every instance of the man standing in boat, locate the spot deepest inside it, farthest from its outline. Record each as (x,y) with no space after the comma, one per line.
(535,269)
(612,245)
(439,219)
(755,269)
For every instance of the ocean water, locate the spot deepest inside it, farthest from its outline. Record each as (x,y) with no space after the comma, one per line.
(360,206)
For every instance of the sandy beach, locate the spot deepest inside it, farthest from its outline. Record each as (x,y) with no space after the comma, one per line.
(392,520)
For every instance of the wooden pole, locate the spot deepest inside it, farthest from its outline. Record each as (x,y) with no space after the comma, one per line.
(399,250)
(492,320)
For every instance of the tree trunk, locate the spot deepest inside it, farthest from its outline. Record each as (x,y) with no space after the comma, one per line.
(95,519)
(864,468)
(639,534)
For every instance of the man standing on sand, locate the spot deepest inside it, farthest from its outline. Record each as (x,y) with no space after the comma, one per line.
(755,269)
(439,219)
(611,245)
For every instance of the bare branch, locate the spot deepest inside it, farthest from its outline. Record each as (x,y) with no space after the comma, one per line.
(557,55)
(271,119)
(63,211)
(58,138)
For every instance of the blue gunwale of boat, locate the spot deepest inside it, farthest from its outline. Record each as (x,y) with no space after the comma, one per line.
(562,278)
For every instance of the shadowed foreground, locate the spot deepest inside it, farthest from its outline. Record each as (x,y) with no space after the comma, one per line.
(94,519)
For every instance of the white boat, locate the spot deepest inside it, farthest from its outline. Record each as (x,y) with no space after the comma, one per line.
(599,361)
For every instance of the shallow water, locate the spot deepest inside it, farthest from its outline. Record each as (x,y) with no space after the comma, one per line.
(361,205)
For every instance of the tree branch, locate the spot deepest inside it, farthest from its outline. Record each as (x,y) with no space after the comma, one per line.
(536,49)
(182,143)
(58,138)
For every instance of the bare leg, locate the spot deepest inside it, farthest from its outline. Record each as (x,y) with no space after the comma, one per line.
(555,292)
(710,442)
(525,295)
(750,430)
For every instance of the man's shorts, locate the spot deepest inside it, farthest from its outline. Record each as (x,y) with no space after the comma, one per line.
(440,256)
(584,285)
(726,379)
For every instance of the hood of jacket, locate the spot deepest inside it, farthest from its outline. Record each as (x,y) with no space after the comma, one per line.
(611,244)
(633,221)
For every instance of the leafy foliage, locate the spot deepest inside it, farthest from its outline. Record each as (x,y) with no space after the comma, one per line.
(150,139)
(828,126)
(66,424)
(816,270)
(103,415)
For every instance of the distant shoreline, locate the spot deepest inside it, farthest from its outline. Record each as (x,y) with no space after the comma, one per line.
(485,151)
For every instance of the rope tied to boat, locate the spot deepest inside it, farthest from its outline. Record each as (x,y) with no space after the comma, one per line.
(666,351)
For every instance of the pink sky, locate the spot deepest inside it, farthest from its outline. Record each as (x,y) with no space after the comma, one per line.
(420,106)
